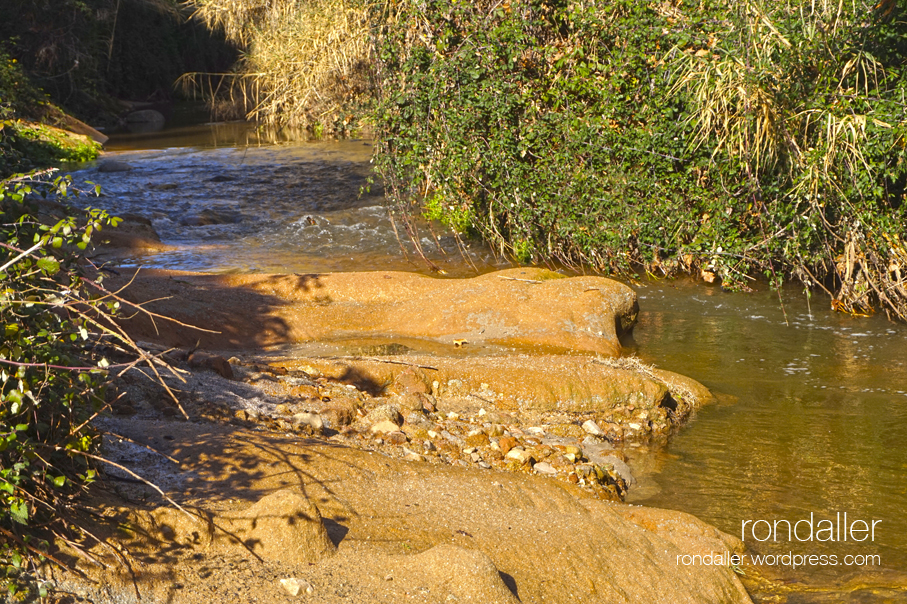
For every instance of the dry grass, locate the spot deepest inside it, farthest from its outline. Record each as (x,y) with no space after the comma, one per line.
(744,109)
(303,62)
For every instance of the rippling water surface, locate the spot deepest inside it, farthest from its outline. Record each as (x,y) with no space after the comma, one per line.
(811,419)
(223,199)
(811,415)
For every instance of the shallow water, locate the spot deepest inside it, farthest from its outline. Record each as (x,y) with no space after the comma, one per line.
(811,419)
(811,415)
(228,200)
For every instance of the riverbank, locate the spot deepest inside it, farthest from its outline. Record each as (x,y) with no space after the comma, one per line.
(469,442)
(296,476)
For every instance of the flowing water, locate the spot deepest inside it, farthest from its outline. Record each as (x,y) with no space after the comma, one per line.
(811,417)
(228,199)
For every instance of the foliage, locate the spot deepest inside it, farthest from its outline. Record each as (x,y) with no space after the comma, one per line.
(305,64)
(52,380)
(729,138)
(26,143)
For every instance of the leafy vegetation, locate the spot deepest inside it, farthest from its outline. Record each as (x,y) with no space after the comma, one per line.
(60,350)
(727,138)
(27,143)
(52,378)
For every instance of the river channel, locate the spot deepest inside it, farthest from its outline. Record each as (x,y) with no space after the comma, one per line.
(811,414)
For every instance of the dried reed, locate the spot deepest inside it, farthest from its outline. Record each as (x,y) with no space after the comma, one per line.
(303,62)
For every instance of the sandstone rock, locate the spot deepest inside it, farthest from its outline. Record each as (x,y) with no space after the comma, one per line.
(212,362)
(456,574)
(283,526)
(523,308)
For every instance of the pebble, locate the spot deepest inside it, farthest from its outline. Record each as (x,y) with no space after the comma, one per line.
(506,443)
(412,455)
(313,420)
(294,586)
(395,438)
(218,364)
(495,430)
(544,468)
(451,438)
(592,428)
(385,426)
(388,413)
(519,454)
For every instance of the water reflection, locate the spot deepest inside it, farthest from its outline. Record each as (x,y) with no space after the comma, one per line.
(818,425)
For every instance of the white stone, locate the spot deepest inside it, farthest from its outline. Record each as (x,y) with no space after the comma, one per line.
(544,467)
(294,586)
(592,428)
(312,420)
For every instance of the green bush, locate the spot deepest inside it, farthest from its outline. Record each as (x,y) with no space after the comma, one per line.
(729,138)
(52,377)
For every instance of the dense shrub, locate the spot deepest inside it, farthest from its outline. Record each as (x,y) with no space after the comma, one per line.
(25,142)
(722,137)
(52,380)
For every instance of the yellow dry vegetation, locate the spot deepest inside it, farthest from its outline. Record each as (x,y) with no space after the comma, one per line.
(302,62)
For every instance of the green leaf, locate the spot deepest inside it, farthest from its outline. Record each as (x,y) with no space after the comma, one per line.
(59,481)
(49,266)
(18,510)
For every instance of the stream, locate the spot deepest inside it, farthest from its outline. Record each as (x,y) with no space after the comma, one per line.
(811,411)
